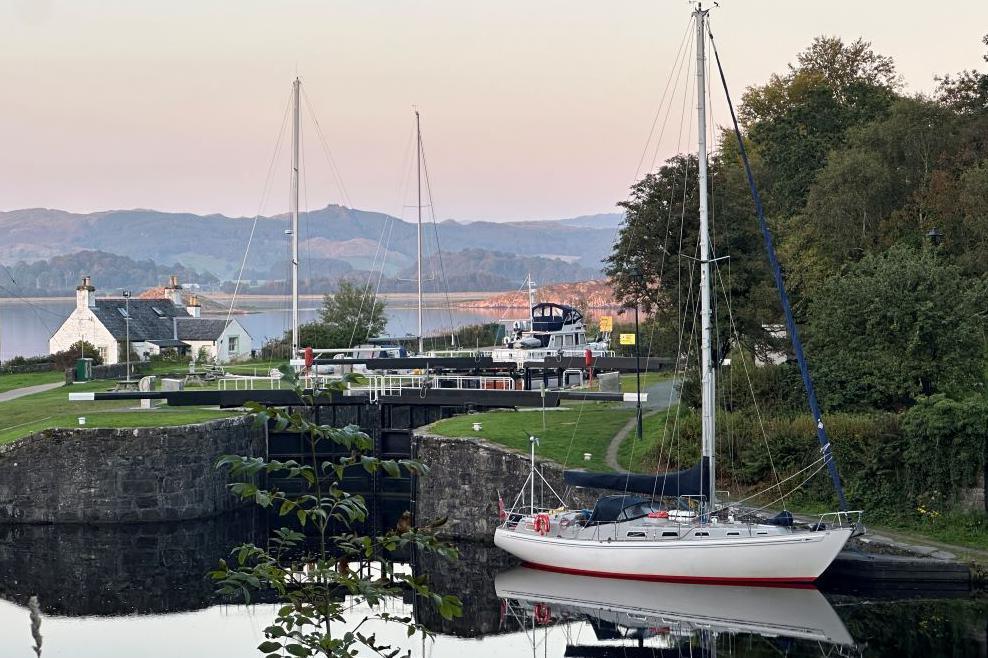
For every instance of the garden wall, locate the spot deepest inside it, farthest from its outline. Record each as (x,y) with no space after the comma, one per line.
(123,475)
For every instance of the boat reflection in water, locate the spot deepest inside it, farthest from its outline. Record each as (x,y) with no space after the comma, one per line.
(631,618)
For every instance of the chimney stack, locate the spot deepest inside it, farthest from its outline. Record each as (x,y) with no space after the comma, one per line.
(85,294)
(174,289)
(194,308)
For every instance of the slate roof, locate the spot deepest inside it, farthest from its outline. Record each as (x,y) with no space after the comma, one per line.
(200,328)
(146,323)
(152,320)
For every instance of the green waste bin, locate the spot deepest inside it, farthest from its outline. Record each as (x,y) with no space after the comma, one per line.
(83,370)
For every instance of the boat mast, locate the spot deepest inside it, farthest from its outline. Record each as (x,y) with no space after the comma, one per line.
(707,375)
(531,301)
(294,201)
(418,174)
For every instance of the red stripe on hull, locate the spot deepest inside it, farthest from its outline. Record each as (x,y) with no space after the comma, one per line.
(800,583)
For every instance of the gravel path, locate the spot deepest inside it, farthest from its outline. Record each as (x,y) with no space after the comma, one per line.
(661,395)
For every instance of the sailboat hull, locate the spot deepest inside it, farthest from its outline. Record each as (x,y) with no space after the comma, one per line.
(787,559)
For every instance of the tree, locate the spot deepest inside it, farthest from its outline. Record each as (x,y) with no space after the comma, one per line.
(895,326)
(660,237)
(67,358)
(350,316)
(966,93)
(797,118)
(312,579)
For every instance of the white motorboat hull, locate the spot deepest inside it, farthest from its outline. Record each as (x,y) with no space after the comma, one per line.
(800,612)
(789,558)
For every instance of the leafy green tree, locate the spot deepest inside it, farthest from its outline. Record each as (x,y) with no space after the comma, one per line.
(796,119)
(893,327)
(67,358)
(871,193)
(350,316)
(311,581)
(660,237)
(967,92)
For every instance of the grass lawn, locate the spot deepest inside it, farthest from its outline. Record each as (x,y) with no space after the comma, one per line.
(628,383)
(568,434)
(40,411)
(10,382)
(632,455)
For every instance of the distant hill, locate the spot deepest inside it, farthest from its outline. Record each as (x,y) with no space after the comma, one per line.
(216,243)
(51,248)
(611,220)
(60,275)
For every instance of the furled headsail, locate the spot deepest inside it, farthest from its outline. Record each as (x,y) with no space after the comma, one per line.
(690,482)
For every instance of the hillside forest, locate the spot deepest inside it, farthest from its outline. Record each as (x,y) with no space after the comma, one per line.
(878,202)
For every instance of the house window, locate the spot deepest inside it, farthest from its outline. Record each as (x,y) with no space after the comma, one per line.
(233,344)
(102,352)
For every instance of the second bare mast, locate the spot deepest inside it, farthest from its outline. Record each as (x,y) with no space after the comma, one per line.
(296,85)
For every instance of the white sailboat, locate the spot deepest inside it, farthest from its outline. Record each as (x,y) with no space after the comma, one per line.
(669,527)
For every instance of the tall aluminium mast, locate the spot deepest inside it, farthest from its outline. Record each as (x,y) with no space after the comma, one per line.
(418,174)
(707,375)
(294,201)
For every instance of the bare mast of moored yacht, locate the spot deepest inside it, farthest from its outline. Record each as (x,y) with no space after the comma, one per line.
(531,302)
(418,205)
(707,374)
(296,85)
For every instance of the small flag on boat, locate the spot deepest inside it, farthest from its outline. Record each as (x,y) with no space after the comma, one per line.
(502,513)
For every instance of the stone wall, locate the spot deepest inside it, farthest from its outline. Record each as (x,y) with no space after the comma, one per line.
(465,476)
(112,371)
(122,475)
(975,499)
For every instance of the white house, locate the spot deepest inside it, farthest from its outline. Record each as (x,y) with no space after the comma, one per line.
(150,324)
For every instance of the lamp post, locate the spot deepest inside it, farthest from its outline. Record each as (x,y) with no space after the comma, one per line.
(636,275)
(126,294)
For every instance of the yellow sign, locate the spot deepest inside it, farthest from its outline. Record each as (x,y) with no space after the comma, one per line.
(627,339)
(606,323)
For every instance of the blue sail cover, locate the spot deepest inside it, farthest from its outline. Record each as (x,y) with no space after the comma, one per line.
(690,482)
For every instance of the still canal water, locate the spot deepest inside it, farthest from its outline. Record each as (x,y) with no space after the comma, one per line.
(25,326)
(121,591)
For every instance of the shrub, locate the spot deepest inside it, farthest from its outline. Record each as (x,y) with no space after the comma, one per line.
(67,358)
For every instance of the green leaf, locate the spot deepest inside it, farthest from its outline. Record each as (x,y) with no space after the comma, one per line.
(268,646)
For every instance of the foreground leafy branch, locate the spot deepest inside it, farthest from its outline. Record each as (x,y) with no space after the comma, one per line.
(315,583)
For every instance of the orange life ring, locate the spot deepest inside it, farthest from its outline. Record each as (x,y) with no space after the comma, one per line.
(542,614)
(542,523)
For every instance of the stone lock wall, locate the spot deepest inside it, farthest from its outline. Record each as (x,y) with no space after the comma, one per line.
(123,475)
(465,475)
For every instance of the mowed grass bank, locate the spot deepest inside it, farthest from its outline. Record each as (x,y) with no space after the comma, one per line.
(33,413)
(21,380)
(569,432)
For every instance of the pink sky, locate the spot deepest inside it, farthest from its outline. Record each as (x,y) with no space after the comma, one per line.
(529,109)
